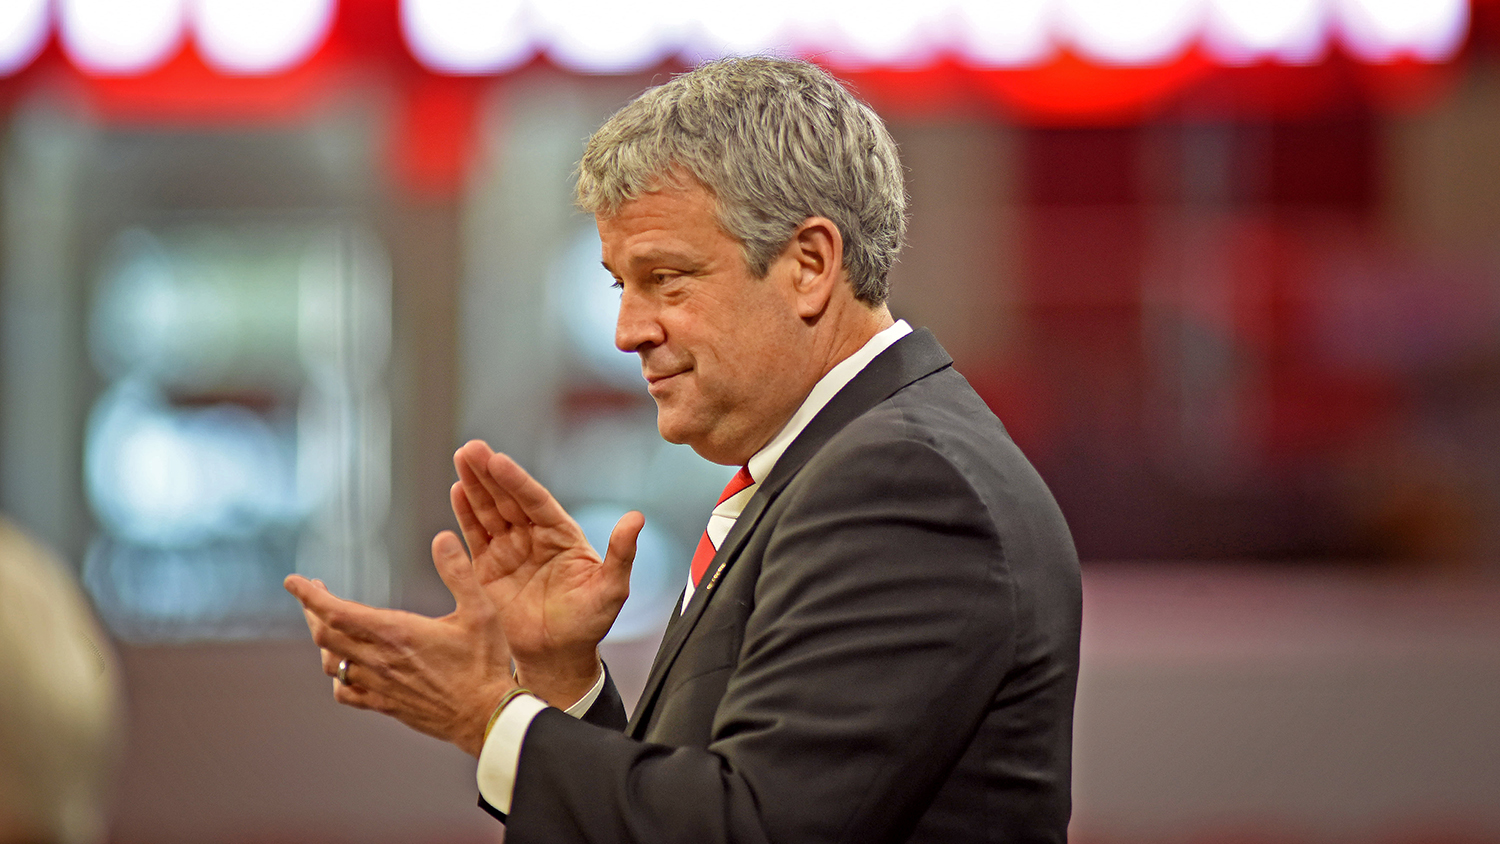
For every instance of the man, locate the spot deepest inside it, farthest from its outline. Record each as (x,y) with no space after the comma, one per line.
(884,645)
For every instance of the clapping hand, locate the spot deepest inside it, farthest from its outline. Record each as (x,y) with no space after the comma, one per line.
(440,676)
(555,595)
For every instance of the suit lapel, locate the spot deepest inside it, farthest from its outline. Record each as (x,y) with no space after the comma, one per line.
(909,359)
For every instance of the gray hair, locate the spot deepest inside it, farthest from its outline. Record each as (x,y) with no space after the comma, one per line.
(774,141)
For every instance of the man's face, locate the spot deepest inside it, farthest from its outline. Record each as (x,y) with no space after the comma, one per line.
(721,350)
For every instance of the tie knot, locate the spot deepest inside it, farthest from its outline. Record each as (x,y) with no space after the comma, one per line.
(719,523)
(736,484)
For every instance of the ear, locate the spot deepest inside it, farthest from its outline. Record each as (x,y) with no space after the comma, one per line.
(817,251)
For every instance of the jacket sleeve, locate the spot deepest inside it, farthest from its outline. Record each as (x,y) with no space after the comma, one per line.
(607,711)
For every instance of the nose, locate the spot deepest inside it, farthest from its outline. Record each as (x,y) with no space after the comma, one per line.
(637,327)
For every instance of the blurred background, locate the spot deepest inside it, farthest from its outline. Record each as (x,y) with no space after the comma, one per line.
(1229,271)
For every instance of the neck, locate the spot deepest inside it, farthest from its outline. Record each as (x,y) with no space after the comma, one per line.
(852,329)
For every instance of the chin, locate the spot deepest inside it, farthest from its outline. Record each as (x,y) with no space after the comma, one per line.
(670,431)
(698,441)
(666,434)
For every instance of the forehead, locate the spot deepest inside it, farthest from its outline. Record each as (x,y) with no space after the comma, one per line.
(679,218)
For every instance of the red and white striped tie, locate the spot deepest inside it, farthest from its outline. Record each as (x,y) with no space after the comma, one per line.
(740,489)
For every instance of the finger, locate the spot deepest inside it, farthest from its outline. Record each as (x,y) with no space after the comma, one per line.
(351,694)
(339,625)
(331,660)
(339,643)
(495,508)
(478,450)
(312,594)
(457,572)
(475,535)
(620,556)
(356,675)
(319,630)
(362,675)
(296,584)
(534,499)
(495,511)
(302,583)
(472,461)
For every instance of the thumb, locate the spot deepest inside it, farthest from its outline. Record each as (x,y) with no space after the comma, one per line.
(620,555)
(457,572)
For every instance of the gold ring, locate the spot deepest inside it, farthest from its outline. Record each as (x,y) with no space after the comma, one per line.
(343,674)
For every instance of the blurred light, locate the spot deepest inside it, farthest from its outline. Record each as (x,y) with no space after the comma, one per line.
(1129,32)
(161,312)
(260,36)
(467,36)
(1382,30)
(1243,31)
(864,33)
(891,33)
(584,298)
(154,481)
(140,311)
(23,33)
(139,588)
(109,37)
(169,477)
(732,29)
(607,36)
(343,303)
(1004,34)
(113,37)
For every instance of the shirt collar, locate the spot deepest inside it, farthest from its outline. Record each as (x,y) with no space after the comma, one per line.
(762,462)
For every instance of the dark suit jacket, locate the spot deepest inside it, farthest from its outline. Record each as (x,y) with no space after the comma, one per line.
(886,649)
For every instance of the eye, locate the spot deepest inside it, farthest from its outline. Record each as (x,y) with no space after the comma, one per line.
(618,284)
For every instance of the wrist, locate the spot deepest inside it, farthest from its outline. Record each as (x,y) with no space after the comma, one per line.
(559,682)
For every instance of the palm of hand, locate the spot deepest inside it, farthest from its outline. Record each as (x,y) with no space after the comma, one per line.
(550,586)
(556,596)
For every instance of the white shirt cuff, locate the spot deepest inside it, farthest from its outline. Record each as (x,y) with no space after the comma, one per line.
(501,755)
(582,705)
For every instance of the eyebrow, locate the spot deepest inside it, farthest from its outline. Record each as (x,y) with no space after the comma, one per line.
(670,256)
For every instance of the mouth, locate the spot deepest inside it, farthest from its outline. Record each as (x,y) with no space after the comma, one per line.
(659,381)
